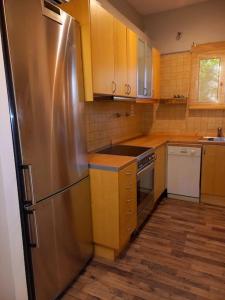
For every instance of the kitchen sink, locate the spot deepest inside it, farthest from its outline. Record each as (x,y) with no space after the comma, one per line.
(214,139)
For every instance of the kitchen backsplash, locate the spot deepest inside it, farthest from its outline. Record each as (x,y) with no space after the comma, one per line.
(175,71)
(177,119)
(110,122)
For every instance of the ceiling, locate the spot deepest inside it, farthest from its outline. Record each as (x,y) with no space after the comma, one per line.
(146,7)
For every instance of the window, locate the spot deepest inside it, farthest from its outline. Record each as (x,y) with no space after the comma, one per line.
(209,77)
(207,87)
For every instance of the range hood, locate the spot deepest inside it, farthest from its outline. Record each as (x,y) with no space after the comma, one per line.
(127,99)
(60,1)
(101,97)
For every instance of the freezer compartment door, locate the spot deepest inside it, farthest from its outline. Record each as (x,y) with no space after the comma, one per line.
(61,238)
(46,63)
(73,231)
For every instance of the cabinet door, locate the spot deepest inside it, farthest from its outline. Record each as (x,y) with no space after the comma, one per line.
(132,62)
(102,39)
(160,172)
(141,67)
(127,202)
(155,73)
(213,174)
(148,71)
(120,44)
(105,207)
(80,10)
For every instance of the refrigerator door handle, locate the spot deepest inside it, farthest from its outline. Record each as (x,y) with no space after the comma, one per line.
(28,183)
(33,229)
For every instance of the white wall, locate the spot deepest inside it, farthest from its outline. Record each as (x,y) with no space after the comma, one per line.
(12,271)
(201,23)
(128,11)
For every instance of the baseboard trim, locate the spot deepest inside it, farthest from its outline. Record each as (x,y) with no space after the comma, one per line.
(184,198)
(213,200)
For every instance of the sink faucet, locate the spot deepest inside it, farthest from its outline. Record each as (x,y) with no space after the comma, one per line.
(219,132)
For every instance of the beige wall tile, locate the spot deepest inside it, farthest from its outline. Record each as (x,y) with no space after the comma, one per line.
(103,127)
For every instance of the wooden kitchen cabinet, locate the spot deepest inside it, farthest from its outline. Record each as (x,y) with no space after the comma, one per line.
(213,175)
(160,172)
(102,48)
(114,209)
(125,60)
(80,10)
(120,42)
(155,73)
(109,51)
(114,54)
(132,62)
(144,69)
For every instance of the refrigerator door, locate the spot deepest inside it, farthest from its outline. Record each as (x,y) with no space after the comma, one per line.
(46,63)
(62,239)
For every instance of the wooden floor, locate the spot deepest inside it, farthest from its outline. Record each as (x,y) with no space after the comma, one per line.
(179,255)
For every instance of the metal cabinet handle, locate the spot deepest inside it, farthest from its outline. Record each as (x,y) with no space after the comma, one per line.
(33,229)
(113,87)
(28,184)
(129,229)
(145,91)
(129,89)
(126,88)
(128,173)
(128,188)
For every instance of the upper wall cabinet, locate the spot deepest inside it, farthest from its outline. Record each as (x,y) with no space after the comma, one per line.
(109,51)
(102,46)
(132,62)
(120,46)
(144,69)
(114,55)
(155,74)
(80,10)
(125,56)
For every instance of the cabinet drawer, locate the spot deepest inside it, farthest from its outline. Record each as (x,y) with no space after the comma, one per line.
(128,223)
(129,171)
(127,179)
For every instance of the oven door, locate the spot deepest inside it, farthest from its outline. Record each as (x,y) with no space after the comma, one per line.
(145,192)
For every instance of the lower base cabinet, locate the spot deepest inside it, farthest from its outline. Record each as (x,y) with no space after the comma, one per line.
(213,175)
(114,209)
(160,172)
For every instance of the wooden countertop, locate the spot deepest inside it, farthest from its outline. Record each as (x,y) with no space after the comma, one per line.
(115,162)
(156,141)
(109,162)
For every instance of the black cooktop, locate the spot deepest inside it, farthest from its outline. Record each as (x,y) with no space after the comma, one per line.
(124,150)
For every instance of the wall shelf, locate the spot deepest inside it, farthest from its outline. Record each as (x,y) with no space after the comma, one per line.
(206,106)
(145,101)
(173,101)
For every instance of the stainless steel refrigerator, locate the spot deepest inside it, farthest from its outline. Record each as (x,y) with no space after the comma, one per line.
(43,46)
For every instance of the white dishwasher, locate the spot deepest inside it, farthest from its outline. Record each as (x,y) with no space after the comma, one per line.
(183,172)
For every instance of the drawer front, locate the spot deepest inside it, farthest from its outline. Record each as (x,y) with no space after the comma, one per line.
(128,182)
(128,202)
(128,223)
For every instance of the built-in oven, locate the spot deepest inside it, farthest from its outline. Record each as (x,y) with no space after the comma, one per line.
(145,189)
(145,175)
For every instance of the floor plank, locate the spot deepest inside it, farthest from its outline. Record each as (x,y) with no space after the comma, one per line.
(179,255)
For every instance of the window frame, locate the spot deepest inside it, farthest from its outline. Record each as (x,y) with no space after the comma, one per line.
(205,51)
(208,57)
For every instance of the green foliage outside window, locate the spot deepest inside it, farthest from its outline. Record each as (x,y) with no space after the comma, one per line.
(209,73)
